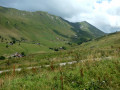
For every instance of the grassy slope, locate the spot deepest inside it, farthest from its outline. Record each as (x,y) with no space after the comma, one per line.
(93,75)
(102,47)
(85,31)
(92,30)
(110,41)
(24,47)
(40,27)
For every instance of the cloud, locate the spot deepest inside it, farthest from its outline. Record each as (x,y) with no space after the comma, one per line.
(64,8)
(104,14)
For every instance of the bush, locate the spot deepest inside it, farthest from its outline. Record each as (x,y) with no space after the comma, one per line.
(56,49)
(22,53)
(81,40)
(69,43)
(14,41)
(2,58)
(64,48)
(51,48)
(7,46)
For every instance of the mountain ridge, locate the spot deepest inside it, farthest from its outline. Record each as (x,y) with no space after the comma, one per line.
(41,27)
(37,16)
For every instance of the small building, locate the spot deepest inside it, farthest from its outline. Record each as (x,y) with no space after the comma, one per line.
(11,43)
(17,55)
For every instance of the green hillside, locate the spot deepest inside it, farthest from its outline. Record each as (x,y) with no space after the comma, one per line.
(106,46)
(85,32)
(40,27)
(92,30)
(107,42)
(98,70)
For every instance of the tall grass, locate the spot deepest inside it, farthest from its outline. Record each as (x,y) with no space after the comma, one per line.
(94,75)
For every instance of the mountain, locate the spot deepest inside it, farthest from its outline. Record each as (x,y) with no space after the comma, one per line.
(92,30)
(41,27)
(86,31)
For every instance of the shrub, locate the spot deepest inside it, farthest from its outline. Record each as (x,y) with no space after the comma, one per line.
(14,41)
(82,40)
(51,48)
(56,49)
(22,53)
(69,43)
(7,46)
(2,58)
(64,48)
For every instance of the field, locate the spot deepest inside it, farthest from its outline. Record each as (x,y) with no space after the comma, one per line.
(87,75)
(96,72)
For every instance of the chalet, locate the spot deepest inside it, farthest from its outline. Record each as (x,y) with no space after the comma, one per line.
(17,55)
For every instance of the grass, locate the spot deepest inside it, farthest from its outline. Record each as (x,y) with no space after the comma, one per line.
(40,27)
(92,49)
(88,75)
(23,47)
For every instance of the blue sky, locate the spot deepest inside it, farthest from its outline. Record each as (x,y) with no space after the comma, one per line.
(104,14)
(100,1)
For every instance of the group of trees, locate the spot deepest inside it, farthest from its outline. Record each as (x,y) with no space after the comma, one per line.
(58,49)
(13,42)
(10,42)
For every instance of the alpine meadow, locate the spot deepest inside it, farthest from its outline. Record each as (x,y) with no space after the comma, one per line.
(41,50)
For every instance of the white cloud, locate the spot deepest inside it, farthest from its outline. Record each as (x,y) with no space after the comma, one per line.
(104,14)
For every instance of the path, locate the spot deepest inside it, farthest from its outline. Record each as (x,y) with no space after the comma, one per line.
(60,64)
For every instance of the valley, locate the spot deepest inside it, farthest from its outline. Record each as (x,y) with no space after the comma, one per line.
(44,51)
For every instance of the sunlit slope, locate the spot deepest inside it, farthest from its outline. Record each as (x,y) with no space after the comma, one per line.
(107,42)
(40,27)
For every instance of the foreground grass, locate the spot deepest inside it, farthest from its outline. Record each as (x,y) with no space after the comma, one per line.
(90,75)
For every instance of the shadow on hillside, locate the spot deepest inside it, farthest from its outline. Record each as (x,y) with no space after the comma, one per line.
(60,34)
(80,35)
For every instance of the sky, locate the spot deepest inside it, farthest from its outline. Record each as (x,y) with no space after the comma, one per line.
(104,14)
